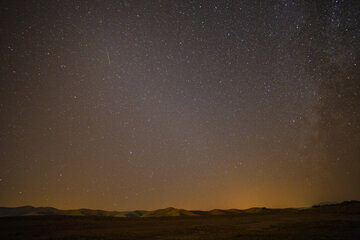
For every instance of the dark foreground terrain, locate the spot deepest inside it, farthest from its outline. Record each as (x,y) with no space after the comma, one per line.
(340,221)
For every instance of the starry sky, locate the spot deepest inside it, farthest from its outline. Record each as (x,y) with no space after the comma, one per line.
(123,105)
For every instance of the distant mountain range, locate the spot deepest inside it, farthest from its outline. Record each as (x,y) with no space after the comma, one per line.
(166,212)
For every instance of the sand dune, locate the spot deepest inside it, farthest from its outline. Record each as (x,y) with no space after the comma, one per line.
(166,212)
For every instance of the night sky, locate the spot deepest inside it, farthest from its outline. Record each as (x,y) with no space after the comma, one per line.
(123,105)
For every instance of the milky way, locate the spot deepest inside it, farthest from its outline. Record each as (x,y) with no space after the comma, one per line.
(191,104)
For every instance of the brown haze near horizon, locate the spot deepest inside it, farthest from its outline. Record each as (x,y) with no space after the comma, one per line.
(123,105)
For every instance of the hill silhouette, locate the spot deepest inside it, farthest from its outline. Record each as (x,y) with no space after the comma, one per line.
(347,206)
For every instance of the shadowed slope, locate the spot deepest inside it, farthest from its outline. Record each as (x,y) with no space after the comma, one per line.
(169,212)
(348,207)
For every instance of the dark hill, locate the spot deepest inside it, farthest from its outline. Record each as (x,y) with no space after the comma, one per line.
(344,207)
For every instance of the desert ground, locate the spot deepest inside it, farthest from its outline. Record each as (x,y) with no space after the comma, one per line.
(325,222)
